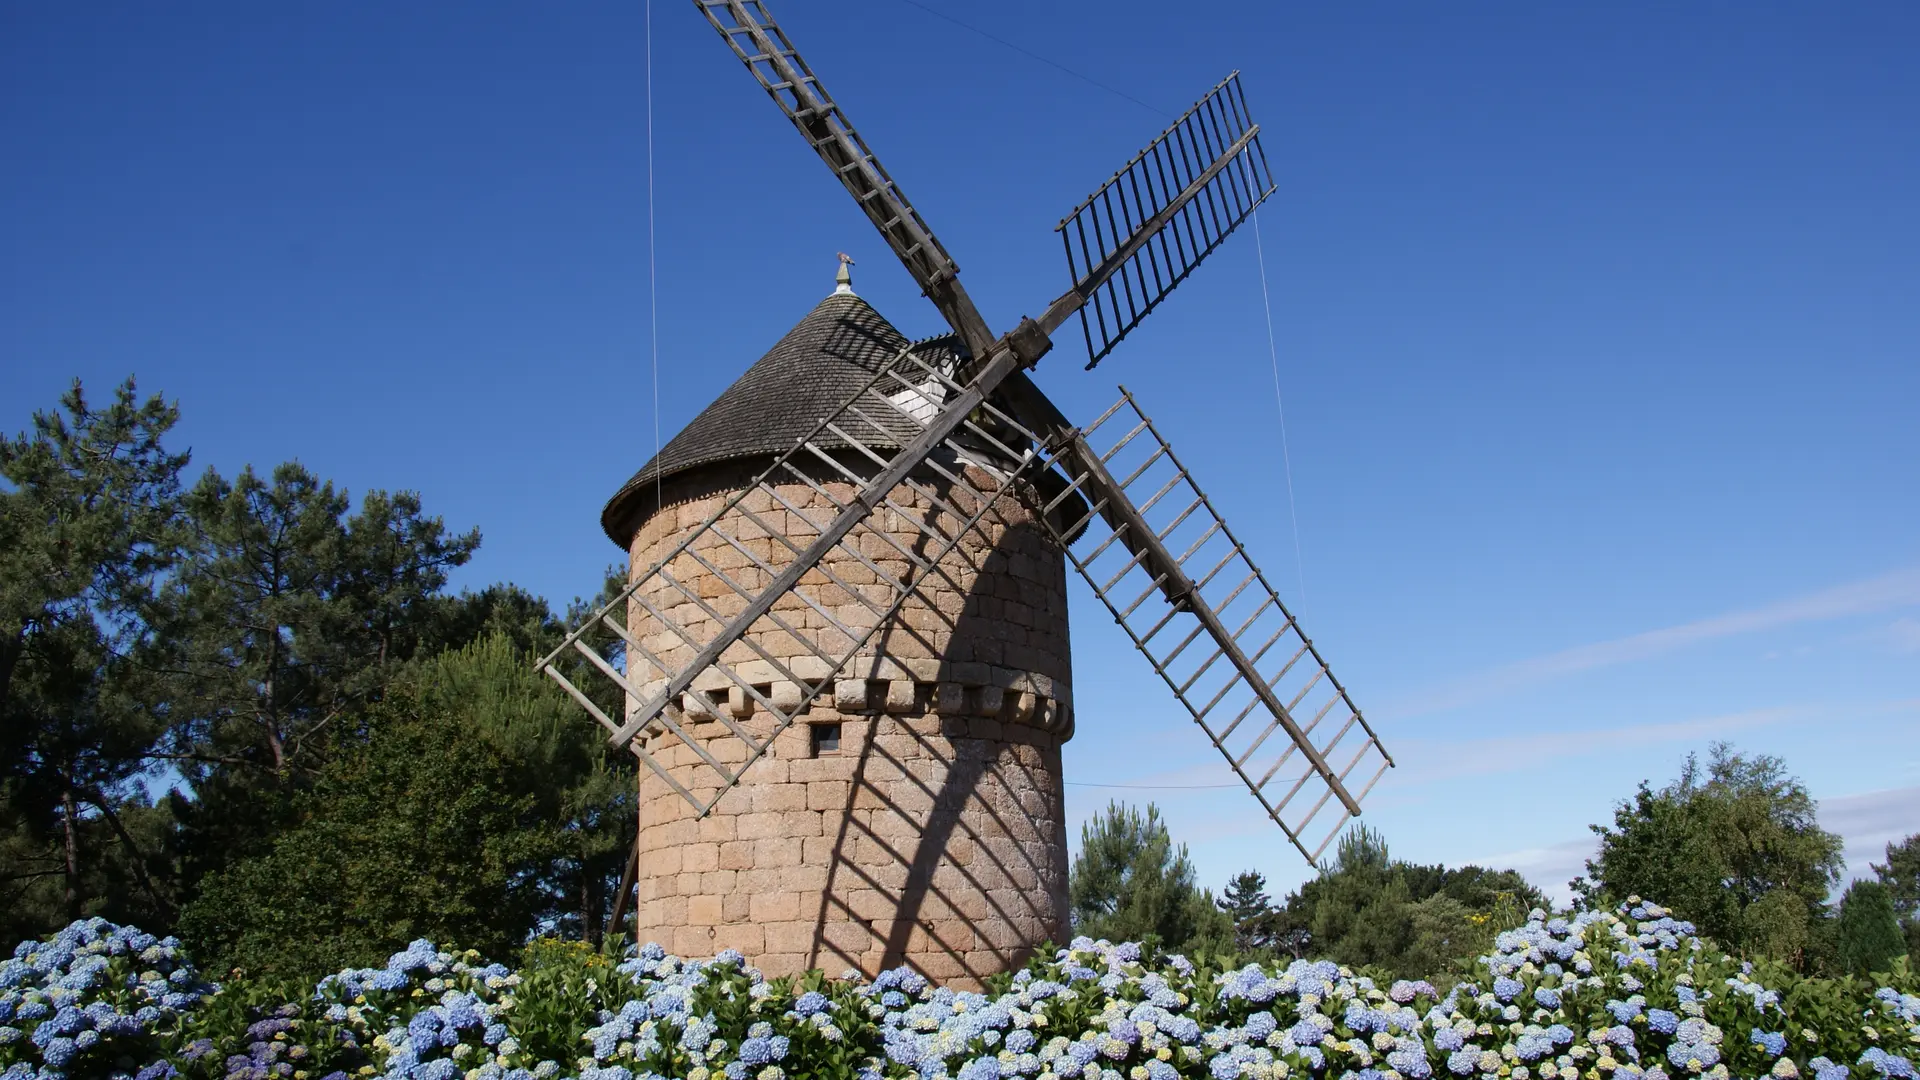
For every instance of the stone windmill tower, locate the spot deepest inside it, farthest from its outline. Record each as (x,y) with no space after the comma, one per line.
(843,643)
(914,812)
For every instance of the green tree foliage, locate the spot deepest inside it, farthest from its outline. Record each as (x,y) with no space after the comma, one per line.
(508,611)
(1733,846)
(291,611)
(1255,920)
(1901,875)
(222,647)
(1366,908)
(1359,910)
(1867,932)
(88,524)
(1441,931)
(473,812)
(1781,924)
(287,616)
(1130,882)
(587,789)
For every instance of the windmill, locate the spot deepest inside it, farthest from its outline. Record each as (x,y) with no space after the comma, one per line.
(842,648)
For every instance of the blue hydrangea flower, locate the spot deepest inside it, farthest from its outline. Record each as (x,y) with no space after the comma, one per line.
(982,1068)
(1410,1062)
(1771,1043)
(1824,1069)
(1694,1056)
(1533,1045)
(1888,1065)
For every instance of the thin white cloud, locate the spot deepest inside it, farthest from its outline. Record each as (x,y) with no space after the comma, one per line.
(1867,822)
(1548,868)
(1886,592)
(1903,635)
(1425,760)
(1428,760)
(1873,812)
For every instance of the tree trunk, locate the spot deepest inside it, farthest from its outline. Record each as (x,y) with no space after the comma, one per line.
(10,651)
(73,856)
(99,801)
(272,709)
(589,921)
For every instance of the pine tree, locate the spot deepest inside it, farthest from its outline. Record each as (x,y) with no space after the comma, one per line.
(1868,932)
(1130,882)
(1254,918)
(289,615)
(88,524)
(1901,875)
(1360,912)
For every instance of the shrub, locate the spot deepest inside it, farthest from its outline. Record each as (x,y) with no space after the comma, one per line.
(1626,995)
(94,1000)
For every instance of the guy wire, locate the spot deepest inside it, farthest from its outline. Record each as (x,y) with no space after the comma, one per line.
(1286,457)
(653,289)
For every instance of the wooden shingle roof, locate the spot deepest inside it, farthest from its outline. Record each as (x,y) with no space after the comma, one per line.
(811,371)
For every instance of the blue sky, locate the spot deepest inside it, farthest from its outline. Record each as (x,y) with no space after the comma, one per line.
(1596,328)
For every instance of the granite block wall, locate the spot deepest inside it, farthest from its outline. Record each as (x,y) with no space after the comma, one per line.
(913,811)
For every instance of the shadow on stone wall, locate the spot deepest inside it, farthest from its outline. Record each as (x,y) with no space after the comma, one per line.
(949,847)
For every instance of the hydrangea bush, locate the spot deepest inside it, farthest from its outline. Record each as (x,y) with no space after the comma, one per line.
(94,1000)
(1627,995)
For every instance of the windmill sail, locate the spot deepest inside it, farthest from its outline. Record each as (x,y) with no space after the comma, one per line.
(1150,226)
(1216,632)
(764,48)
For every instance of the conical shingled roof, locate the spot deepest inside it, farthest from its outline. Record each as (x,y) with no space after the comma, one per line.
(811,371)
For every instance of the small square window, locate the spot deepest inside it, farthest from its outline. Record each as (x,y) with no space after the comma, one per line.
(826,739)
